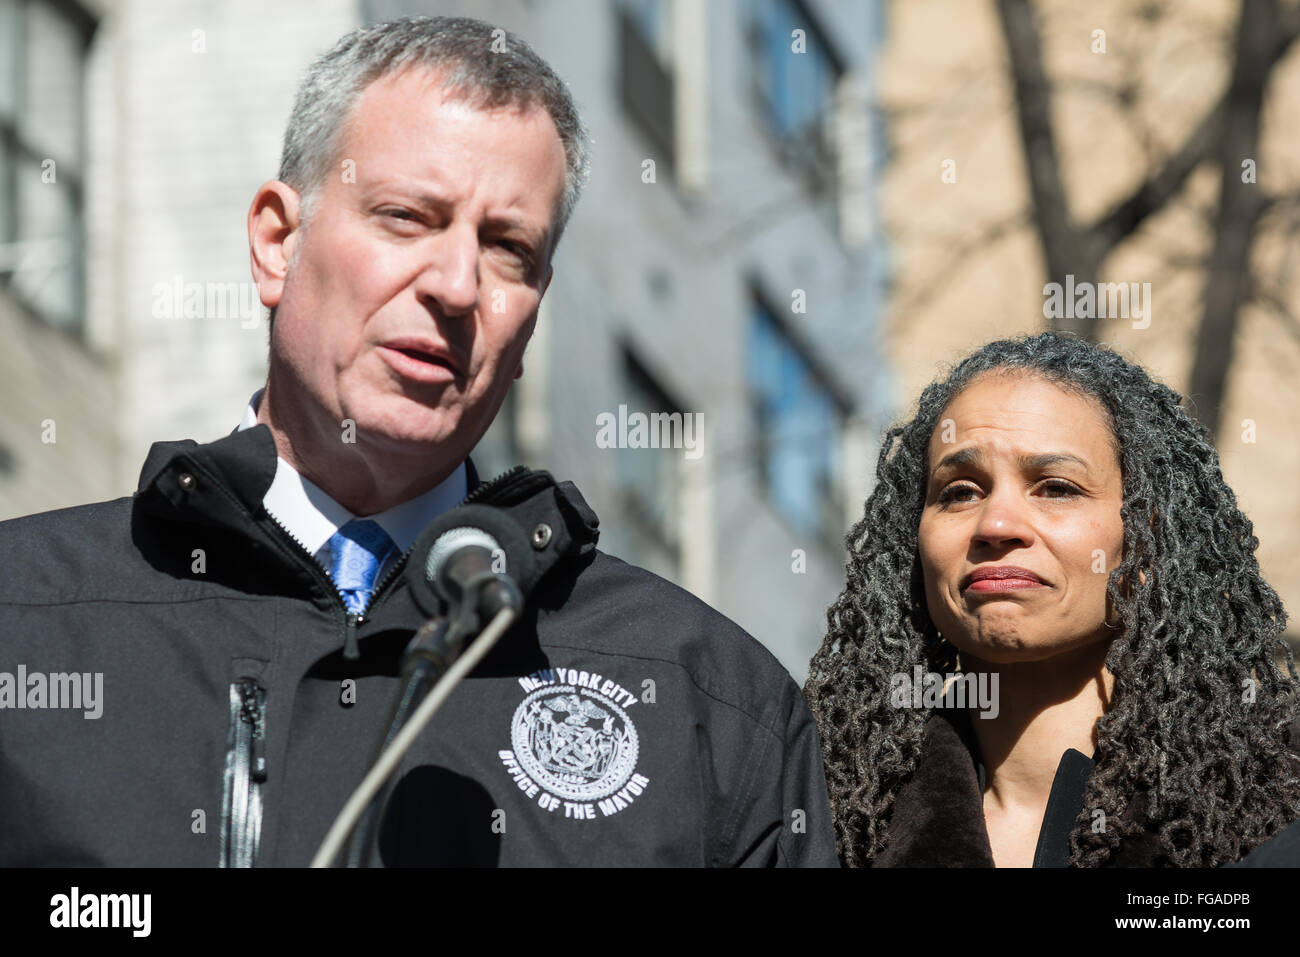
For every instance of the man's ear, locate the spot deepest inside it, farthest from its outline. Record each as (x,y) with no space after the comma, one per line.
(273,233)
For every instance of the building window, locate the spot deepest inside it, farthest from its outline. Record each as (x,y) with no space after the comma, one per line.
(43,45)
(646,73)
(796,74)
(649,478)
(798,423)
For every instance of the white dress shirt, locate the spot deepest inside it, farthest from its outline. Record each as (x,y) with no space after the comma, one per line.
(312,517)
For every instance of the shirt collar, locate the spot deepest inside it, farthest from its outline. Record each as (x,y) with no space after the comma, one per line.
(312,516)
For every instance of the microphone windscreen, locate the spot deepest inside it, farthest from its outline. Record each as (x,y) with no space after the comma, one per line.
(519,562)
(450,542)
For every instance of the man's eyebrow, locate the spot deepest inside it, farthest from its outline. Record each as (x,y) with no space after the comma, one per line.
(419,192)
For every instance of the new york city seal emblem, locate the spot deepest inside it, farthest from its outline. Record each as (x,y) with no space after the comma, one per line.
(573,744)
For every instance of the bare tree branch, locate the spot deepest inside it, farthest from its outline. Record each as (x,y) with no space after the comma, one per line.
(1124,218)
(962,255)
(1274,297)
(1279,310)
(1288,31)
(1240,205)
(1227,134)
(1151,195)
(1065,248)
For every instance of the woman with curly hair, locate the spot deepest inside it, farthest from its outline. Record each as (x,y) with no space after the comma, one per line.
(1052,552)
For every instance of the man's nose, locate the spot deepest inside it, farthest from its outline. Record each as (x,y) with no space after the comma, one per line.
(1003,520)
(450,278)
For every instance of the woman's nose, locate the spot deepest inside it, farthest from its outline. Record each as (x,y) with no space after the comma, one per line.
(1003,521)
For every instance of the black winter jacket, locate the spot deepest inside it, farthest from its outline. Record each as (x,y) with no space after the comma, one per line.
(620,721)
(938,818)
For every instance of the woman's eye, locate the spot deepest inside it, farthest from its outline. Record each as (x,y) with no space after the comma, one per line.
(1059,489)
(954,493)
(1054,488)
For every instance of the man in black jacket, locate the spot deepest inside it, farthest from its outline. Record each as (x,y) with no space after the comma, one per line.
(198,674)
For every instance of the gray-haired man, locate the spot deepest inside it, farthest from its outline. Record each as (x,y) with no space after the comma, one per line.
(428,172)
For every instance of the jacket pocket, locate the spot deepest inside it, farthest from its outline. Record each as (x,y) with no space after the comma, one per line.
(241,808)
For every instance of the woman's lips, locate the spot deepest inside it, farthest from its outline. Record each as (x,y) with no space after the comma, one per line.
(1003,584)
(1001,578)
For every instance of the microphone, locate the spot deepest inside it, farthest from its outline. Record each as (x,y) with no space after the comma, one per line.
(472,559)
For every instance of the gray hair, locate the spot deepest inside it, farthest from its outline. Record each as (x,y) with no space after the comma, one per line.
(483,64)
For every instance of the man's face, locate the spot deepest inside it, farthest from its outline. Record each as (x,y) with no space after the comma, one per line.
(415,289)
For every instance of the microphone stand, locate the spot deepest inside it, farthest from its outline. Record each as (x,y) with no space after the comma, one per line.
(428,655)
(433,659)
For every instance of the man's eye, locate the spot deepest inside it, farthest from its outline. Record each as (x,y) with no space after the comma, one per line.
(402,214)
(514,249)
(522,255)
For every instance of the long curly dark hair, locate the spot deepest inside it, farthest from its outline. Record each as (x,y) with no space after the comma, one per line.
(1193,749)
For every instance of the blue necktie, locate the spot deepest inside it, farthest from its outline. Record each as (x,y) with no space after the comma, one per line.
(357,552)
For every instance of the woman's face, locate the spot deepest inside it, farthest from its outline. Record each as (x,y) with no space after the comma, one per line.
(1021,525)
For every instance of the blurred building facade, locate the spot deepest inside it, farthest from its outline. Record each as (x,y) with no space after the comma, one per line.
(724,266)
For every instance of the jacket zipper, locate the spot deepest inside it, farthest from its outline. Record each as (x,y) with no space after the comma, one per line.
(477,493)
(241,810)
(353,620)
(241,814)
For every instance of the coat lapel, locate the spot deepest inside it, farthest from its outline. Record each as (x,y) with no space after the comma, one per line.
(938,818)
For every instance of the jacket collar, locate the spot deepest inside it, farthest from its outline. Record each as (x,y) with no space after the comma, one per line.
(244,462)
(938,817)
(222,484)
